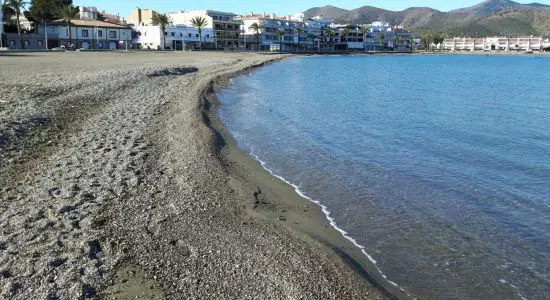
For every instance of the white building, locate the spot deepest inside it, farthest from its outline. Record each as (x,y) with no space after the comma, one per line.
(88,13)
(175,37)
(382,36)
(26,25)
(226,30)
(275,33)
(525,43)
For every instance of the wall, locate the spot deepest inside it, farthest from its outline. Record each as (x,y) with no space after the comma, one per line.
(150,36)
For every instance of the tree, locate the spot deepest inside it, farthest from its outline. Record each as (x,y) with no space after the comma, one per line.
(67,13)
(256,28)
(17,7)
(396,38)
(426,40)
(299,31)
(279,36)
(438,38)
(42,12)
(45,10)
(329,34)
(199,23)
(161,20)
(381,37)
(345,34)
(364,31)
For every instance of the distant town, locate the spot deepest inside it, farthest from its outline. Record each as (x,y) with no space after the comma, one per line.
(90,28)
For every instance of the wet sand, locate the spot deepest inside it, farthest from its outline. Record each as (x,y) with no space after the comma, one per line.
(115,185)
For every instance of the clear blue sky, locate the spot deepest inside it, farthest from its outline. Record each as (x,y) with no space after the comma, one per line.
(281,7)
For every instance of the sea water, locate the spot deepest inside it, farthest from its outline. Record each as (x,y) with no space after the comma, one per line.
(439,166)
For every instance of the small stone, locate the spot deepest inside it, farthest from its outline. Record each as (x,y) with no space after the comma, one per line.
(282,218)
(88,197)
(58,262)
(5,273)
(94,249)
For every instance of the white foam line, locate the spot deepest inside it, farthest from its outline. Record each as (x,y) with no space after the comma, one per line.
(331,220)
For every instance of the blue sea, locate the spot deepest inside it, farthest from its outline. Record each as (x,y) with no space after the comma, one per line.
(439,166)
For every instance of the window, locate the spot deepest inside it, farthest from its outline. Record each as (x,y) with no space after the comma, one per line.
(85,33)
(207,36)
(189,35)
(100,33)
(172,33)
(11,43)
(40,43)
(196,35)
(26,43)
(112,34)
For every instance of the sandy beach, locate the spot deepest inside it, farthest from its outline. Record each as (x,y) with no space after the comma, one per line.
(118,182)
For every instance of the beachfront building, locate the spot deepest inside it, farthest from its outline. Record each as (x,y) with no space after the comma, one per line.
(347,37)
(314,28)
(141,17)
(226,29)
(85,34)
(92,13)
(382,36)
(176,37)
(524,43)
(275,33)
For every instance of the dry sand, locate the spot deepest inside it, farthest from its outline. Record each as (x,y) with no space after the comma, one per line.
(114,185)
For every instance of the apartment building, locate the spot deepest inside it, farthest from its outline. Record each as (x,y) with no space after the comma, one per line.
(275,33)
(524,43)
(140,17)
(382,36)
(226,28)
(85,34)
(176,37)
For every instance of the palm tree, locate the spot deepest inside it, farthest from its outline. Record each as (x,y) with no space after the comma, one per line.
(329,34)
(364,31)
(396,38)
(161,20)
(17,6)
(345,34)
(381,37)
(68,13)
(199,23)
(279,35)
(257,28)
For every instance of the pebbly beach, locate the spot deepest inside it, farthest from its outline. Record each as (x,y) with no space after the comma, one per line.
(119,182)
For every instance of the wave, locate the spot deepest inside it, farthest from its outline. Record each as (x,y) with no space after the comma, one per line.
(331,220)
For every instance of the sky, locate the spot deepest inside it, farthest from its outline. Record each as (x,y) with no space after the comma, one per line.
(280,7)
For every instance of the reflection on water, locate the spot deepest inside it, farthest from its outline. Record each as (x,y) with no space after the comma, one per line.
(438,165)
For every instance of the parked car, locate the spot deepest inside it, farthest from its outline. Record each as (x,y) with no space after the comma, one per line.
(61,48)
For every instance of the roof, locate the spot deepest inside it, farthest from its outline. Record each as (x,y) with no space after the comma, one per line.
(91,23)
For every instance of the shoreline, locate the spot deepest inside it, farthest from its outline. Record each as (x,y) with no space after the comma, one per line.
(120,189)
(283,203)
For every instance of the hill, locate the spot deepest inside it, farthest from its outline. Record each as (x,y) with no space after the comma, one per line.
(491,17)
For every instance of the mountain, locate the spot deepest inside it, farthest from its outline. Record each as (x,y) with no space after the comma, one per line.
(491,17)
(327,12)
